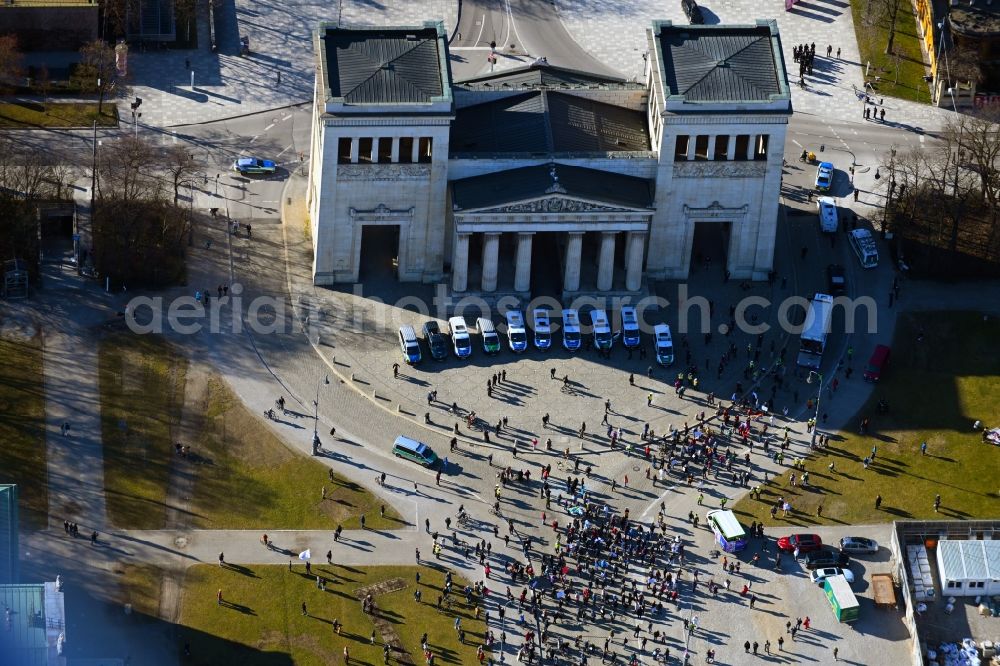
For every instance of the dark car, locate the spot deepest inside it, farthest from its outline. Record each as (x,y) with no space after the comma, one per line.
(836,279)
(804,542)
(436,340)
(692,11)
(825,557)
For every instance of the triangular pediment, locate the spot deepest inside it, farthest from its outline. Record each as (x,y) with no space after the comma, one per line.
(553,204)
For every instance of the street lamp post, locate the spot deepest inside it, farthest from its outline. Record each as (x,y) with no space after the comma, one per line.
(316,444)
(819,394)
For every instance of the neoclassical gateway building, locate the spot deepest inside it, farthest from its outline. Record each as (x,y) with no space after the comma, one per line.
(542,178)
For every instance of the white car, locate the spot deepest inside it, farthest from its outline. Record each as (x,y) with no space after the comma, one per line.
(819,575)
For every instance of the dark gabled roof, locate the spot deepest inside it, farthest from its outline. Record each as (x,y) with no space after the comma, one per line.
(388,66)
(548,122)
(535,182)
(720,64)
(544,76)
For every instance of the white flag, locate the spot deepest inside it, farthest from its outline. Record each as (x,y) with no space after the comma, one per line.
(305,555)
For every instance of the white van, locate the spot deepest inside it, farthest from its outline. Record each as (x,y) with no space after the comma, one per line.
(460,340)
(827,208)
(491,341)
(409,345)
(664,344)
(543,329)
(517,337)
(602,329)
(863,244)
(571,330)
(630,327)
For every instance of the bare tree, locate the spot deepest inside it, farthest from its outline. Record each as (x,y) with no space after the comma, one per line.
(182,167)
(978,140)
(10,61)
(96,71)
(126,171)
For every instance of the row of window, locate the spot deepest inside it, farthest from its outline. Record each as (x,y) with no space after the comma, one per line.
(970,585)
(384,150)
(741,147)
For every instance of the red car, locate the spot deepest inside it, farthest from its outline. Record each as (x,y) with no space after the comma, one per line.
(804,542)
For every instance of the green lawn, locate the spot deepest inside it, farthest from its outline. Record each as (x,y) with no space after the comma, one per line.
(254,481)
(936,390)
(872,39)
(22,427)
(142,391)
(261,622)
(15,115)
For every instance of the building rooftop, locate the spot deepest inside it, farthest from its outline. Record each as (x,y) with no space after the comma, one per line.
(548,122)
(384,66)
(49,3)
(34,617)
(535,182)
(9,549)
(980,19)
(721,63)
(543,75)
(970,559)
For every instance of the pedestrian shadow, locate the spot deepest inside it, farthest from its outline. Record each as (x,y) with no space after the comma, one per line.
(240,569)
(246,610)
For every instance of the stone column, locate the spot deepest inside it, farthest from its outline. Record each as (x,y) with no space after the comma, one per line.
(574,251)
(394,158)
(711,147)
(606,266)
(751,146)
(460,263)
(491,255)
(731,152)
(355,148)
(634,251)
(522,272)
(415,152)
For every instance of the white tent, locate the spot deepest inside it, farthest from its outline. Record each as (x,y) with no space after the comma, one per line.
(969,568)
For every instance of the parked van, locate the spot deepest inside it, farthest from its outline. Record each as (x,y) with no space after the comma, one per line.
(491,341)
(409,345)
(630,327)
(517,337)
(543,329)
(571,330)
(418,452)
(863,244)
(729,533)
(877,363)
(664,344)
(602,329)
(436,340)
(460,340)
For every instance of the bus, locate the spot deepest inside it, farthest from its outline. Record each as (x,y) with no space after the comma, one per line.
(817,328)
(729,533)
(842,600)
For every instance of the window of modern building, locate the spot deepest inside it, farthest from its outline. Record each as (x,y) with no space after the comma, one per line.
(424,154)
(721,147)
(384,150)
(681,147)
(760,147)
(701,147)
(344,150)
(365,151)
(406,149)
(742,146)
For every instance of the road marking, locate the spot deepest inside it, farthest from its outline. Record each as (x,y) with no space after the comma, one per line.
(796,143)
(254,138)
(284,118)
(283,151)
(469,48)
(268,128)
(482,26)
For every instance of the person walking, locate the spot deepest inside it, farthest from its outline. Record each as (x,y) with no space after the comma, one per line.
(836,654)
(878,502)
(305,611)
(222,559)
(937,503)
(218,597)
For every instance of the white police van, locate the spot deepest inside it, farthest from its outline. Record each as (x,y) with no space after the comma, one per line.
(630,327)
(460,340)
(602,329)
(571,330)
(517,337)
(664,344)
(543,329)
